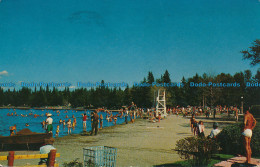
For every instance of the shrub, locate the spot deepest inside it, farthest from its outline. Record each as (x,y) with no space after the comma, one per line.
(255,110)
(74,163)
(197,150)
(231,141)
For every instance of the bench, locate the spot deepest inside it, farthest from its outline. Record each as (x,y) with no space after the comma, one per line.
(51,158)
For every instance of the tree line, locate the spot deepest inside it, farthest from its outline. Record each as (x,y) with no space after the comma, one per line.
(143,96)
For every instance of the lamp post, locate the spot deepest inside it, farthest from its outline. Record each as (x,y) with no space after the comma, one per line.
(242,104)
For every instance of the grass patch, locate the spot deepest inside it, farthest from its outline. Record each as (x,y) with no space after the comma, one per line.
(218,158)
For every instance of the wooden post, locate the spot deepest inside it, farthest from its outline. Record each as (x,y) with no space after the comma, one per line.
(51,160)
(11,158)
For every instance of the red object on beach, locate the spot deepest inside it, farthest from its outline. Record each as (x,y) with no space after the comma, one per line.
(52,156)
(11,158)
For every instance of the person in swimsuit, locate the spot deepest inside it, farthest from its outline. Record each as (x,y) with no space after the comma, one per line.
(57,130)
(69,126)
(192,120)
(95,120)
(84,121)
(75,122)
(64,123)
(12,130)
(101,121)
(201,129)
(249,125)
(115,119)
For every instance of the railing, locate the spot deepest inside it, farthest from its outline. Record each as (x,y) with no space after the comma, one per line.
(51,158)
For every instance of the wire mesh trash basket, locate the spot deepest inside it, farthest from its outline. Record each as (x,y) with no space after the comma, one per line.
(99,156)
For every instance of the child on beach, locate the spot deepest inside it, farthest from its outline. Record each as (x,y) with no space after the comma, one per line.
(201,129)
(159,117)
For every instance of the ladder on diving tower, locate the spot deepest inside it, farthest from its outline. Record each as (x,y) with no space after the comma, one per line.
(160,102)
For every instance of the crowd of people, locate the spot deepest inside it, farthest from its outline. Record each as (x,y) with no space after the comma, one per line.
(132,112)
(207,111)
(128,113)
(70,122)
(198,128)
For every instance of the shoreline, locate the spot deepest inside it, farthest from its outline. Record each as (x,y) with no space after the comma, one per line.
(53,108)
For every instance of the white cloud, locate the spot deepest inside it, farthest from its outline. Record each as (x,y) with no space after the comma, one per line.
(2,73)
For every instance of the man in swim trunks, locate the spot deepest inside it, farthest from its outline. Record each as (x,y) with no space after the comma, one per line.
(249,124)
(95,120)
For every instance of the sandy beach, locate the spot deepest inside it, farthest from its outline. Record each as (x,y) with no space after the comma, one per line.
(139,144)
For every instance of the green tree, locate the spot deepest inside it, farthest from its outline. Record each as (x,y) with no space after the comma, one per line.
(127,97)
(253,54)
(166,77)
(150,77)
(1,97)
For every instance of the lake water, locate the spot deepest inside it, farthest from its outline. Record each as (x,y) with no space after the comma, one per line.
(36,126)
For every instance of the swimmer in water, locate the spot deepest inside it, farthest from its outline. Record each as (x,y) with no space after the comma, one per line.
(64,123)
(115,119)
(69,126)
(57,130)
(12,130)
(43,124)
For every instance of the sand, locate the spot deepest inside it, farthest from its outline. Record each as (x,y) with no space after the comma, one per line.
(139,144)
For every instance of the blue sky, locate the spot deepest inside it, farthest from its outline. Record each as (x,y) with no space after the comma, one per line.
(121,40)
